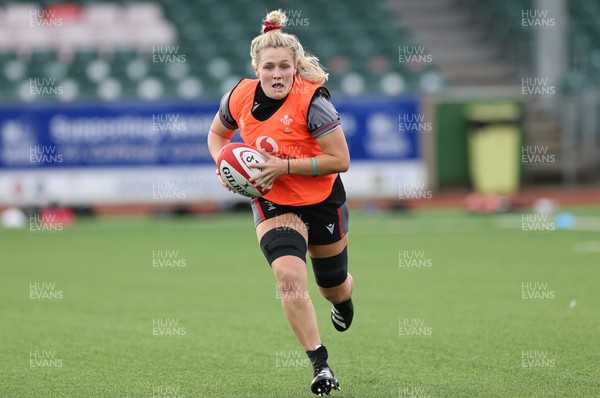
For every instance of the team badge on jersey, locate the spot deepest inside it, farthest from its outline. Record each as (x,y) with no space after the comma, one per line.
(286,120)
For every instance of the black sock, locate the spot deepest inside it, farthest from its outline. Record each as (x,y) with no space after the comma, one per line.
(345,306)
(318,357)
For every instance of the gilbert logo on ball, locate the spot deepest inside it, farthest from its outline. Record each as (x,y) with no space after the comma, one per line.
(234,166)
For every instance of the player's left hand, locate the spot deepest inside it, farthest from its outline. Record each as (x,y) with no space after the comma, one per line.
(273,168)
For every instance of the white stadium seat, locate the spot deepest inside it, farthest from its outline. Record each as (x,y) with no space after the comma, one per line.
(21,14)
(143,13)
(73,37)
(106,14)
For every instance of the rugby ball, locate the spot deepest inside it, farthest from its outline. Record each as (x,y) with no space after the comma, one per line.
(234,166)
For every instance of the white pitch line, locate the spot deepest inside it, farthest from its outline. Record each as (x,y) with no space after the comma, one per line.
(581,223)
(587,223)
(587,247)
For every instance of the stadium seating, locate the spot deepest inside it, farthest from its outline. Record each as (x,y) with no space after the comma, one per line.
(105,50)
(583,36)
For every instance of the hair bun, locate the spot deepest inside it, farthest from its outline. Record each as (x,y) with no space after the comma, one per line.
(274,20)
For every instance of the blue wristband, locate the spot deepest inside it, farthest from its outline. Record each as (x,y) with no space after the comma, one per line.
(314,166)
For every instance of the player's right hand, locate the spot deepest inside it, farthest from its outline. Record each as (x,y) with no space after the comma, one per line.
(221,180)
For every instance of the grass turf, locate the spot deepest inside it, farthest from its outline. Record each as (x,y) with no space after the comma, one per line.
(235,342)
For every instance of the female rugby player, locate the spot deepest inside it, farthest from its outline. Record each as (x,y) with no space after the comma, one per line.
(287,114)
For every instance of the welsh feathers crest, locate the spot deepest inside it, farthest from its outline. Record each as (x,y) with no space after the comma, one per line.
(286,120)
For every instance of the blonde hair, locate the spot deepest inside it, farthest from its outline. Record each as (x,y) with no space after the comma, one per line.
(308,66)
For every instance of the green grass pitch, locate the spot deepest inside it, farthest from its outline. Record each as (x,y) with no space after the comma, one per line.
(83,310)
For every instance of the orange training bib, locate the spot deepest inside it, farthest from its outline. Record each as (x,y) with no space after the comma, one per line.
(285,135)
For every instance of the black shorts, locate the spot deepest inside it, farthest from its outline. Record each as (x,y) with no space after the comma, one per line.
(327,221)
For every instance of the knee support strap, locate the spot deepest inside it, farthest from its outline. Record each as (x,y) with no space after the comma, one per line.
(331,271)
(283,241)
